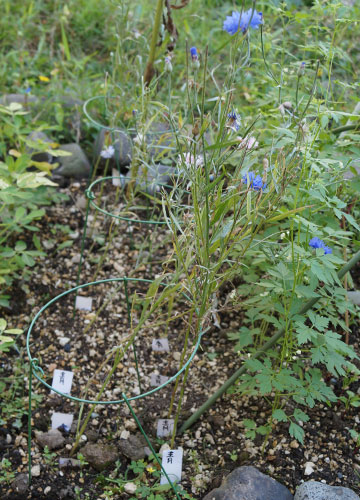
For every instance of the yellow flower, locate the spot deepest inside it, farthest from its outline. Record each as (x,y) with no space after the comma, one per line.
(43,78)
(150,469)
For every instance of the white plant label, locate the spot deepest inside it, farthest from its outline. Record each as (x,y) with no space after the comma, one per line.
(83,303)
(172,464)
(165,427)
(160,345)
(157,380)
(62,381)
(64,420)
(118,179)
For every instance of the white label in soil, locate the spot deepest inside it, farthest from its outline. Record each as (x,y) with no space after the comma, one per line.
(160,345)
(64,420)
(118,179)
(157,380)
(84,303)
(62,381)
(172,463)
(165,427)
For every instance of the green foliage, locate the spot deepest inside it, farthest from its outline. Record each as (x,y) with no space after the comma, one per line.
(22,192)
(5,341)
(7,473)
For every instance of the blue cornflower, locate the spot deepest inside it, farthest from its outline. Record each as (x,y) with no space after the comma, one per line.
(318,243)
(28,90)
(235,22)
(234,121)
(256,181)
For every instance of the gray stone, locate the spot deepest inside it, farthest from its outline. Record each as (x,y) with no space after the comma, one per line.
(99,455)
(133,448)
(354,297)
(66,493)
(42,140)
(349,174)
(159,140)
(52,439)
(248,483)
(68,101)
(21,483)
(151,178)
(120,141)
(75,165)
(23,99)
(313,490)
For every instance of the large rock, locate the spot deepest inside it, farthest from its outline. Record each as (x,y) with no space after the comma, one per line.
(120,141)
(248,483)
(354,297)
(52,439)
(313,490)
(151,178)
(75,165)
(159,139)
(42,140)
(132,448)
(100,455)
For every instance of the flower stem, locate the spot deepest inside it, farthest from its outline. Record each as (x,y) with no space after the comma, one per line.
(149,70)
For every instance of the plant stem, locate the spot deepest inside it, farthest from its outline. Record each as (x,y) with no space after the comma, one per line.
(308,305)
(149,70)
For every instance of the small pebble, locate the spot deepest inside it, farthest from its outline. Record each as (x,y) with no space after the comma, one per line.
(67,348)
(35,470)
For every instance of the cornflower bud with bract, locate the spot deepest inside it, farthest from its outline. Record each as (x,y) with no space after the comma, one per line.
(168,65)
(301,70)
(194,57)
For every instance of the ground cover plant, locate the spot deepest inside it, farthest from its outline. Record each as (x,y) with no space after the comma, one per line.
(225,173)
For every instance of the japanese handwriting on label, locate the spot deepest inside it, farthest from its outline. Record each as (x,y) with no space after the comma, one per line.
(165,427)
(157,380)
(172,464)
(62,381)
(160,345)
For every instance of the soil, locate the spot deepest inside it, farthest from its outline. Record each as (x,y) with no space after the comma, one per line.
(216,444)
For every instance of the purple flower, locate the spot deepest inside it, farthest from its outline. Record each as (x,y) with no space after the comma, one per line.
(318,243)
(194,54)
(233,23)
(234,121)
(255,181)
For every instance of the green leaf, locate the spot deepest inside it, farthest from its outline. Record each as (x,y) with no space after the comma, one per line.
(297,432)
(280,415)
(20,246)
(249,424)
(300,415)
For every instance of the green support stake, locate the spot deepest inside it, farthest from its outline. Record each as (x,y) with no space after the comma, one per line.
(150,445)
(129,322)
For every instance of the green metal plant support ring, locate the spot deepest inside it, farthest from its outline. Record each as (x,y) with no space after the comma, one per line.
(37,370)
(91,197)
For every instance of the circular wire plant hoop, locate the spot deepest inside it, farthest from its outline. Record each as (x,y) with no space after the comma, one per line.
(91,197)
(38,372)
